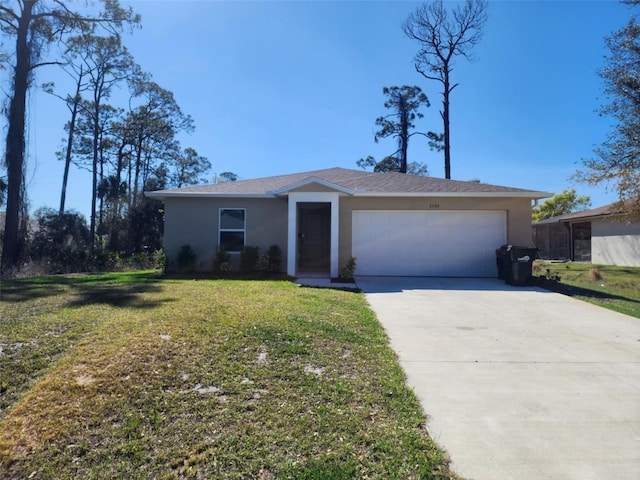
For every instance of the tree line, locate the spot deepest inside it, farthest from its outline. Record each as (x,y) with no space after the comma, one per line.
(128,148)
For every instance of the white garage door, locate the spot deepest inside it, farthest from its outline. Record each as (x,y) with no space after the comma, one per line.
(427,243)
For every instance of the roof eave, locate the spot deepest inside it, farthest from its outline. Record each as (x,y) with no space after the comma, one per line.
(162,195)
(275,193)
(589,217)
(525,194)
(579,217)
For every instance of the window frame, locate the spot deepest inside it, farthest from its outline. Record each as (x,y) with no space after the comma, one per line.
(243,230)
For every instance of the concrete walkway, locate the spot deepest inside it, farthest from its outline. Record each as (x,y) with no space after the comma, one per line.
(519,383)
(323,282)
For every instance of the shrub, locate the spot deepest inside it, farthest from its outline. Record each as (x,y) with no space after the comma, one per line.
(222,261)
(186,259)
(61,242)
(262,265)
(249,259)
(595,275)
(28,269)
(160,260)
(349,269)
(274,255)
(104,261)
(552,275)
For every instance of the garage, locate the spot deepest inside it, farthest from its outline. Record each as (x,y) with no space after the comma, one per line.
(427,242)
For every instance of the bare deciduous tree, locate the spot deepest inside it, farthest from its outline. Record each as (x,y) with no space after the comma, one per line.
(444,34)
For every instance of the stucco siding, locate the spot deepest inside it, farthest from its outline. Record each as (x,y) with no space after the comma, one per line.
(194,222)
(615,243)
(518,214)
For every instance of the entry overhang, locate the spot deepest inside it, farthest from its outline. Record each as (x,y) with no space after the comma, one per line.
(292,228)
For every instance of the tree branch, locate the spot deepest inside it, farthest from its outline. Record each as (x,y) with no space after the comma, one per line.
(421,72)
(44,64)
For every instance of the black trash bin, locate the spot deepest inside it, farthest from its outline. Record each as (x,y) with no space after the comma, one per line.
(520,270)
(503,262)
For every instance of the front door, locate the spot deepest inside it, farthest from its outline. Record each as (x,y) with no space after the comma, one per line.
(314,237)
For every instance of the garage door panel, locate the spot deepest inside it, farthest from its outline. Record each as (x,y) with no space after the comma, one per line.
(427,243)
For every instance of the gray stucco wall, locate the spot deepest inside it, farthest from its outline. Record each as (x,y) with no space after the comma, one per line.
(615,243)
(194,222)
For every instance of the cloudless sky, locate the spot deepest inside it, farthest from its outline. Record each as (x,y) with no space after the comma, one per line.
(283,87)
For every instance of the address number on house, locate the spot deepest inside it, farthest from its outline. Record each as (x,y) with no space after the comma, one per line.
(434,205)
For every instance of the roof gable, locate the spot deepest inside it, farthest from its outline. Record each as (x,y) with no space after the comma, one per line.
(308,182)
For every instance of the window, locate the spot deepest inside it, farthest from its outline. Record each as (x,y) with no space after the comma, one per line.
(232,229)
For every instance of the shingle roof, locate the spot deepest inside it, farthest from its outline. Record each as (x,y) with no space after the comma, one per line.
(604,211)
(357,182)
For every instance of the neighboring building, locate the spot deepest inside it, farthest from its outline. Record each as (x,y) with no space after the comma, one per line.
(600,236)
(392,223)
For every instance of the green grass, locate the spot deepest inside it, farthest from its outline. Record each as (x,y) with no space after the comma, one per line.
(616,288)
(130,375)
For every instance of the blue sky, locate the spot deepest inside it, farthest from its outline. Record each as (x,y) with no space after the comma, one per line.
(282,87)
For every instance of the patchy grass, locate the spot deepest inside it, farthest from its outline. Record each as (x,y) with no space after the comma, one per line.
(616,288)
(129,375)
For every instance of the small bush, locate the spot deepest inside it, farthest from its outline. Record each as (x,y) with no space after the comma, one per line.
(104,261)
(274,255)
(248,259)
(186,259)
(595,275)
(222,261)
(262,265)
(349,269)
(552,275)
(28,269)
(160,260)
(62,242)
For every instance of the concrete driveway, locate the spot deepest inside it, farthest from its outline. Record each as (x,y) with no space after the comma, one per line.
(518,382)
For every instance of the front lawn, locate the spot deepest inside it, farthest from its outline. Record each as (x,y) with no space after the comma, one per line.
(616,288)
(130,375)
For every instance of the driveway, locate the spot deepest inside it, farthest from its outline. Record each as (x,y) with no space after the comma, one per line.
(518,382)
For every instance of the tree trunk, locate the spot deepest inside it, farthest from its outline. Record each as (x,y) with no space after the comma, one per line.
(136,175)
(145,170)
(101,179)
(72,128)
(119,168)
(94,173)
(15,145)
(445,119)
(404,139)
(129,185)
